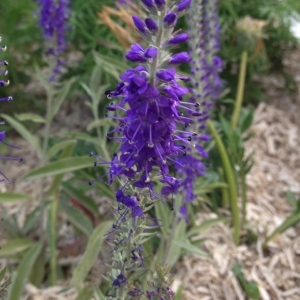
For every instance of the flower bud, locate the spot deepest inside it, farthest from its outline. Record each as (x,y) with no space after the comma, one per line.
(151,25)
(183,4)
(178,39)
(135,57)
(170,19)
(160,3)
(151,52)
(148,3)
(180,58)
(166,75)
(139,24)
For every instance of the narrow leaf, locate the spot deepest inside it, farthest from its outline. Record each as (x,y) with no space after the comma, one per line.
(99,123)
(206,225)
(289,222)
(86,201)
(24,270)
(2,274)
(61,97)
(30,117)
(90,255)
(14,247)
(11,197)
(191,248)
(31,139)
(98,294)
(66,165)
(59,146)
(86,293)
(77,217)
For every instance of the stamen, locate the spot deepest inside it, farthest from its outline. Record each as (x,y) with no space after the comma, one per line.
(150,144)
(8,99)
(10,145)
(11,158)
(97,179)
(7,179)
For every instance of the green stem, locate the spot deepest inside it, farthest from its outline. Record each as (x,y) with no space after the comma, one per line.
(230,180)
(53,218)
(240,90)
(244,198)
(224,190)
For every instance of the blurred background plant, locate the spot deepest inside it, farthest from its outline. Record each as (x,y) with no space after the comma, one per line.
(93,63)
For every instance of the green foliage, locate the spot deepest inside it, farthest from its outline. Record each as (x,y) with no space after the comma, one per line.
(269,51)
(249,287)
(290,221)
(90,255)
(67,199)
(4,284)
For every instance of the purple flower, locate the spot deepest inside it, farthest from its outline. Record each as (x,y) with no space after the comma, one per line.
(137,53)
(166,75)
(53,22)
(2,133)
(120,280)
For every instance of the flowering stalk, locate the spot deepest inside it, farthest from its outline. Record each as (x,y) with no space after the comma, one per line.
(2,133)
(204,30)
(151,116)
(54,15)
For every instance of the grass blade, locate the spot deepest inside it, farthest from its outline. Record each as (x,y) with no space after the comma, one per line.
(24,270)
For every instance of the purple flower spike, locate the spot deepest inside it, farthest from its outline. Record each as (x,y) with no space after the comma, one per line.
(151,52)
(148,3)
(2,133)
(179,39)
(170,19)
(151,25)
(180,58)
(182,5)
(54,16)
(139,24)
